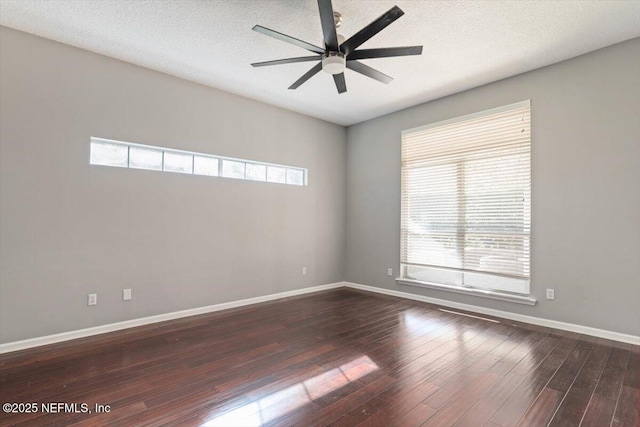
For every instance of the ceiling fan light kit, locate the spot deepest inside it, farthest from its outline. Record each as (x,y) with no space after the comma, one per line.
(333,62)
(339,53)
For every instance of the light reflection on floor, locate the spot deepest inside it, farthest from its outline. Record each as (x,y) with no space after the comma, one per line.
(417,322)
(284,401)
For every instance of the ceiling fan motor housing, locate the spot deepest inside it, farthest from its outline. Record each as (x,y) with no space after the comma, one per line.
(333,62)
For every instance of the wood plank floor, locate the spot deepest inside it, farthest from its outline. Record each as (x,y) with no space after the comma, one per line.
(339,358)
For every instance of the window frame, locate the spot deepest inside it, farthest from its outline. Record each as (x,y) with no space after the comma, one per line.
(193,154)
(518,297)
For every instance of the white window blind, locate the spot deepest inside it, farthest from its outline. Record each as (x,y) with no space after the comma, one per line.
(466,200)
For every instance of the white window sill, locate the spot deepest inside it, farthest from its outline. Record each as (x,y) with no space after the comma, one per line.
(502,296)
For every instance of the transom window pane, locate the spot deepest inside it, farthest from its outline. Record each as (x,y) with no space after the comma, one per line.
(276,174)
(205,166)
(145,158)
(232,169)
(295,176)
(256,172)
(178,162)
(103,153)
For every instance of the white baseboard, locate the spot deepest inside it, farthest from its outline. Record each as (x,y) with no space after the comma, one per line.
(586,330)
(111,327)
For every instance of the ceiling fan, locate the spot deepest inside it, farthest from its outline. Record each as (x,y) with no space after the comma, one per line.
(339,53)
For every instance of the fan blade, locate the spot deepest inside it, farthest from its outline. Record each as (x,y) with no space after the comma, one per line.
(328,25)
(288,39)
(312,72)
(341,85)
(287,61)
(359,67)
(385,52)
(371,30)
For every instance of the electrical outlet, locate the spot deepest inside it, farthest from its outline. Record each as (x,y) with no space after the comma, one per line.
(93,299)
(126,294)
(304,271)
(389,272)
(550,294)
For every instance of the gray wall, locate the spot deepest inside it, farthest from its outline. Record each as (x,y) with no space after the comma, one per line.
(585,190)
(68,229)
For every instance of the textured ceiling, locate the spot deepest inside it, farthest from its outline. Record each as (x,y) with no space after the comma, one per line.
(466,43)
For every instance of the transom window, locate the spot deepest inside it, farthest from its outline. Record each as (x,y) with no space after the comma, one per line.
(106,152)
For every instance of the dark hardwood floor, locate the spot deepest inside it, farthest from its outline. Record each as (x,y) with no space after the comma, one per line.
(340,358)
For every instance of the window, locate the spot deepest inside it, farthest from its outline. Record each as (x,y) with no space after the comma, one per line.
(466,202)
(205,166)
(295,177)
(110,155)
(232,169)
(178,162)
(105,152)
(256,172)
(276,174)
(145,158)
